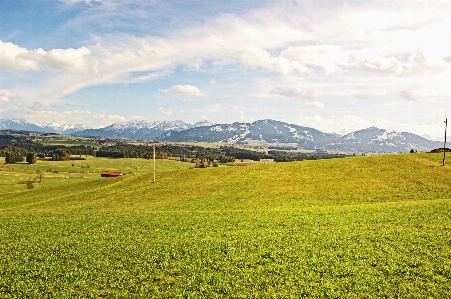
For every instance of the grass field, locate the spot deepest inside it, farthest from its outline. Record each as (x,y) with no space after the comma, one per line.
(363,227)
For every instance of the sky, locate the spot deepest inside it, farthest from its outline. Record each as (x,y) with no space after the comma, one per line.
(336,66)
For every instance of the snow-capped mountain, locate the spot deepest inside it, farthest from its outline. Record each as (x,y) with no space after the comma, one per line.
(204,123)
(267,130)
(62,128)
(367,140)
(379,140)
(344,131)
(21,124)
(137,129)
(18,124)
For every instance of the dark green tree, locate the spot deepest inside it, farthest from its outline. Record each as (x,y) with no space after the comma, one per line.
(13,157)
(31,158)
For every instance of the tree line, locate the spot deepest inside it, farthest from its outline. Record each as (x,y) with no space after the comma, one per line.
(31,151)
(222,154)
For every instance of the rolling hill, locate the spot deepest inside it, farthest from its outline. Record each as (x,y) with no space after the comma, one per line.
(362,227)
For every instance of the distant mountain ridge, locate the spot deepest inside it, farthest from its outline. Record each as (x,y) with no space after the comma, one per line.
(379,140)
(267,130)
(21,124)
(139,129)
(367,140)
(62,128)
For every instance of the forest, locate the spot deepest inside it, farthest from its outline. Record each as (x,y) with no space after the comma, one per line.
(16,148)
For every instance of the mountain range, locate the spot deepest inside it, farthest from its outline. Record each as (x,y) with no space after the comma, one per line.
(23,125)
(140,129)
(367,140)
(271,131)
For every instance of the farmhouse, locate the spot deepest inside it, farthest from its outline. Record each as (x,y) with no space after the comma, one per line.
(109,174)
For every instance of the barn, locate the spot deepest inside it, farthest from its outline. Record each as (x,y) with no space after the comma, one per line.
(110,174)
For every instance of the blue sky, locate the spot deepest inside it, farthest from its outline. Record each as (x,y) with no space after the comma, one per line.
(331,65)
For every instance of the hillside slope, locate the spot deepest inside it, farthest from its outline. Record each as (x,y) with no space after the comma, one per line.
(364,227)
(297,184)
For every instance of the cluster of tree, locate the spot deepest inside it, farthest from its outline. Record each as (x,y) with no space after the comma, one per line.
(282,148)
(439,150)
(223,154)
(16,153)
(8,137)
(13,157)
(283,156)
(62,154)
(204,163)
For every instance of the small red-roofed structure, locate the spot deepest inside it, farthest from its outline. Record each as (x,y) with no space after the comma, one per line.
(110,174)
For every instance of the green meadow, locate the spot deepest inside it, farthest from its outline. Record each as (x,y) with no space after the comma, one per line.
(361,227)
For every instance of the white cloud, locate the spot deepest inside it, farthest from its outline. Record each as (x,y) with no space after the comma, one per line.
(72,60)
(212,82)
(88,2)
(195,63)
(87,112)
(166,111)
(37,106)
(10,58)
(75,104)
(185,89)
(335,124)
(257,57)
(236,109)
(315,104)
(108,118)
(6,95)
(363,96)
(329,57)
(409,96)
(376,63)
(296,92)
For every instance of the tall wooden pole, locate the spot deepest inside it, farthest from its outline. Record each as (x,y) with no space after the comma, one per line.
(154,168)
(444,145)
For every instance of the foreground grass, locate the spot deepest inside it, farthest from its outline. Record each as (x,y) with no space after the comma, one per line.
(368,227)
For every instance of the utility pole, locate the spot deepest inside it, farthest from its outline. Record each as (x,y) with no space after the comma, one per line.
(444,145)
(154,168)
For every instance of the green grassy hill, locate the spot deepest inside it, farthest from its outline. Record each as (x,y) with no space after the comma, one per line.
(363,227)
